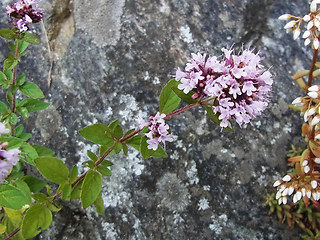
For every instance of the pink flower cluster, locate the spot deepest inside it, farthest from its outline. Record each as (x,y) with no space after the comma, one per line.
(8,158)
(158,131)
(239,82)
(24,13)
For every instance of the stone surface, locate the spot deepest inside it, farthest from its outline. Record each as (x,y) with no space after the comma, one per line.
(109,60)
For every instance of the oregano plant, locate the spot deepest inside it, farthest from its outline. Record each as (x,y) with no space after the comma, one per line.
(232,87)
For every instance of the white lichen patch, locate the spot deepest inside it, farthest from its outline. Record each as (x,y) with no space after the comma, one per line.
(156,81)
(192,173)
(218,223)
(202,126)
(164,7)
(203,204)
(185,34)
(109,230)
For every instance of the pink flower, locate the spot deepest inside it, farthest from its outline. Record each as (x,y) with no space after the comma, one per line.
(239,82)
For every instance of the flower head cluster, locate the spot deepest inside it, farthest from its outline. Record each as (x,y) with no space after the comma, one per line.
(8,158)
(239,82)
(25,13)
(312,20)
(158,131)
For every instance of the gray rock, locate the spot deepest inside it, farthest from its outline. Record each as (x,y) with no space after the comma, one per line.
(110,59)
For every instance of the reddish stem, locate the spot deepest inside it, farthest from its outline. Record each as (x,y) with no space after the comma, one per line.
(11,234)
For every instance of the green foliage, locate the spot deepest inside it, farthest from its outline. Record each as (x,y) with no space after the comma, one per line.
(98,133)
(31,90)
(7,33)
(33,105)
(115,130)
(14,197)
(169,101)
(10,62)
(43,151)
(37,218)
(185,97)
(98,203)
(52,169)
(146,152)
(91,188)
(31,38)
(35,184)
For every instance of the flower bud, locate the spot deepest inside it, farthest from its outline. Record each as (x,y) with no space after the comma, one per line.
(284,200)
(297,197)
(317,137)
(313,6)
(277,183)
(286,178)
(306,18)
(284,17)
(296,34)
(313,94)
(290,24)
(278,195)
(298,102)
(314,88)
(315,120)
(306,169)
(305,163)
(306,34)
(290,191)
(317,160)
(308,193)
(314,183)
(307,42)
(310,25)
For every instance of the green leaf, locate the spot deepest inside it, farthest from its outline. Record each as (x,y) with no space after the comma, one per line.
(18,130)
(90,188)
(31,90)
(7,33)
(146,152)
(35,184)
(117,147)
(3,78)
(66,191)
(92,156)
(76,191)
(37,219)
(215,117)
(23,45)
(135,142)
(25,136)
(115,129)
(23,187)
(74,173)
(104,148)
(89,164)
(3,107)
(185,97)
(106,163)
(12,197)
(10,62)
(96,133)
(30,153)
(98,203)
(9,97)
(52,169)
(13,142)
(169,101)
(9,74)
(104,171)
(125,149)
(43,151)
(23,112)
(33,105)
(21,79)
(31,38)
(13,118)
(40,197)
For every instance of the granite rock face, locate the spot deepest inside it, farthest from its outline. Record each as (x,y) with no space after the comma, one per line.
(109,60)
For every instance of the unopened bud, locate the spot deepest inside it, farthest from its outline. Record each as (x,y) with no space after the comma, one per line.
(310,25)
(290,191)
(296,34)
(298,102)
(314,88)
(314,183)
(306,34)
(284,17)
(306,18)
(313,6)
(277,183)
(317,137)
(306,169)
(290,24)
(317,160)
(305,163)
(284,200)
(313,94)
(316,44)
(286,178)
(307,42)
(315,120)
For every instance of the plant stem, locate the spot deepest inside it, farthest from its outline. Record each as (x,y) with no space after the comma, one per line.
(13,108)
(314,60)
(109,150)
(14,232)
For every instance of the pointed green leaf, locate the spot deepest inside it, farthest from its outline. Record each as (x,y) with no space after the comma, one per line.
(90,188)
(21,79)
(104,148)
(52,169)
(104,171)
(23,112)
(92,156)
(31,38)
(117,147)
(7,33)
(40,197)
(96,133)
(13,118)
(135,142)
(76,191)
(12,197)
(10,63)
(74,173)
(3,107)
(43,151)
(125,149)
(66,191)
(98,203)
(106,163)
(33,105)
(169,101)
(29,153)
(31,90)
(115,129)
(18,130)
(23,45)
(3,78)
(37,219)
